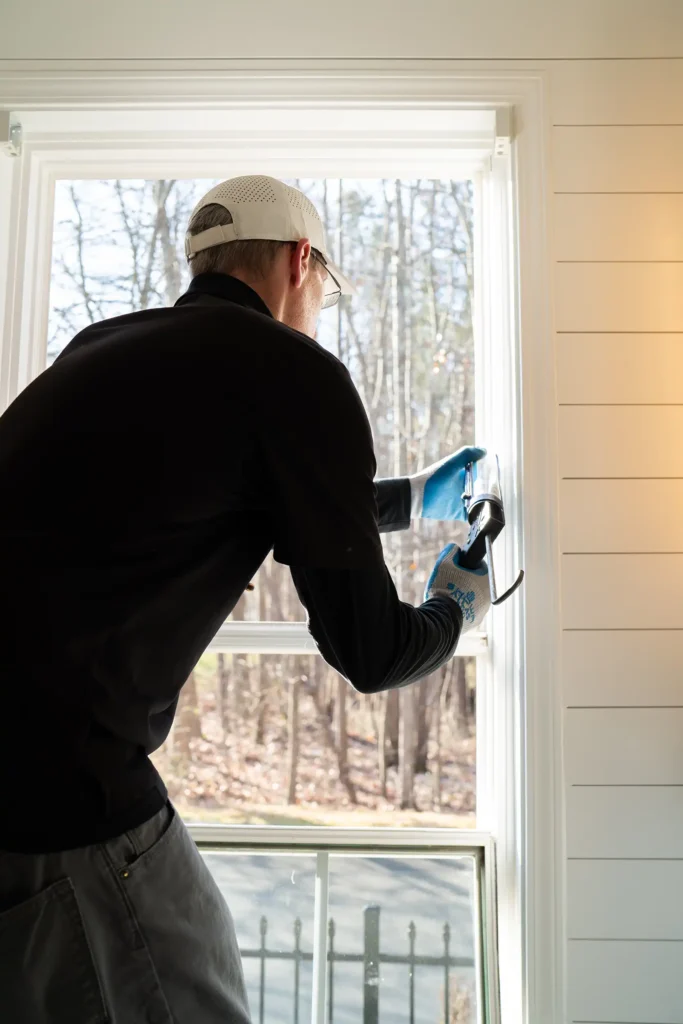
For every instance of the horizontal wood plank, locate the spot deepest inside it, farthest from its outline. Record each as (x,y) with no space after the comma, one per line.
(597,297)
(625,982)
(622,591)
(620,368)
(624,821)
(624,746)
(625,899)
(618,227)
(639,158)
(269,36)
(622,668)
(621,515)
(617,92)
(621,441)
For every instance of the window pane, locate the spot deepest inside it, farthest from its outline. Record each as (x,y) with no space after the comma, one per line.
(271,898)
(117,247)
(234,756)
(375,904)
(401,931)
(406,336)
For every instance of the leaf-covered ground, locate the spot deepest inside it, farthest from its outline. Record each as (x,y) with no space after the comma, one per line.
(231,778)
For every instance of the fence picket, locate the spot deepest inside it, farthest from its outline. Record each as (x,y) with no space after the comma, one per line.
(297,969)
(371,965)
(412,931)
(371,958)
(262,983)
(330,981)
(447,973)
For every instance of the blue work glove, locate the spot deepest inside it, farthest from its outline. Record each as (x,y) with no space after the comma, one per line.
(436,492)
(469,588)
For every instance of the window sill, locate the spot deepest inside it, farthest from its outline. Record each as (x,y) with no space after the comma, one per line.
(294,638)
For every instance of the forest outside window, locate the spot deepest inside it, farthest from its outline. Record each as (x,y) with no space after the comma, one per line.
(406,336)
(279,737)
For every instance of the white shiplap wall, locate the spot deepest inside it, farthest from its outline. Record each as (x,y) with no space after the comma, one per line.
(618,246)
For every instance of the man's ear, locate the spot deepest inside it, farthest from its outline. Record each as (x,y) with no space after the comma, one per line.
(300,261)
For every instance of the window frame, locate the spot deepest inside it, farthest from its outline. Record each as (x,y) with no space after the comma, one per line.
(429,843)
(256,637)
(518,709)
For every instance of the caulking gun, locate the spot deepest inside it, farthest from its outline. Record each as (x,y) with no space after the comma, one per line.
(483,501)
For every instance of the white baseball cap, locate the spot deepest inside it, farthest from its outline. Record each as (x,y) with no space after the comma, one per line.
(265,208)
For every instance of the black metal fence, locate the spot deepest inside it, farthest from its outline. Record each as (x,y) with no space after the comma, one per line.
(372,957)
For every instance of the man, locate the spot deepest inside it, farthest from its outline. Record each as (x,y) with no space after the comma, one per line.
(145,477)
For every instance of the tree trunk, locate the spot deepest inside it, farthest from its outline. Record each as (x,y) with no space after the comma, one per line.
(171,271)
(388,737)
(436,790)
(223,693)
(187,722)
(240,668)
(159,192)
(471,706)
(264,671)
(407,749)
(323,707)
(400,424)
(382,744)
(423,691)
(461,694)
(293,737)
(341,347)
(342,727)
(343,741)
(262,703)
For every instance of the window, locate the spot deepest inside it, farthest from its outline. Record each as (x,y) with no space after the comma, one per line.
(406,336)
(266,735)
(402,139)
(401,934)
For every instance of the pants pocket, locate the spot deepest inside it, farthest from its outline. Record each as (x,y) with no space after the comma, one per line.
(47,973)
(126,851)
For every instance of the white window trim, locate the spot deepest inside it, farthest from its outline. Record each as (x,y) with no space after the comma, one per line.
(148,144)
(520,701)
(359,842)
(294,638)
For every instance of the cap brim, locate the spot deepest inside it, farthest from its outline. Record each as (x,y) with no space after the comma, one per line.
(346,287)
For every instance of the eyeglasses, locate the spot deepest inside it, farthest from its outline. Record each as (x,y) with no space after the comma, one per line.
(332,286)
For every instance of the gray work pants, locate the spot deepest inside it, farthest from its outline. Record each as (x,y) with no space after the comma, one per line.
(131,931)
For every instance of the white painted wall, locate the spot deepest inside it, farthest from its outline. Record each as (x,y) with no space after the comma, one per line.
(93,29)
(617,138)
(617,211)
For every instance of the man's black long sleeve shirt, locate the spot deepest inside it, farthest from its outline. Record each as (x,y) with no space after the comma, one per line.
(145,478)
(362,628)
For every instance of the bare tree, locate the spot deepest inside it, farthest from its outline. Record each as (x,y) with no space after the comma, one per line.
(223,693)
(399,336)
(343,739)
(388,736)
(187,723)
(293,732)
(444,677)
(407,749)
(423,698)
(461,691)
(338,747)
